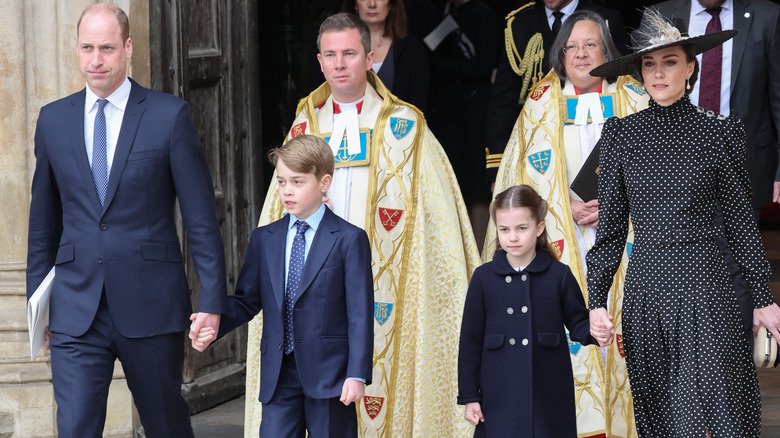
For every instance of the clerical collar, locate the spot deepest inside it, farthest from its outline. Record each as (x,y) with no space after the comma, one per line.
(578,92)
(346,123)
(357,104)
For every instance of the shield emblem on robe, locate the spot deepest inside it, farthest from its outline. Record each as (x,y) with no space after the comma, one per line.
(538,92)
(389,217)
(540,160)
(619,341)
(382,311)
(373,405)
(400,126)
(574,346)
(636,89)
(558,245)
(298,129)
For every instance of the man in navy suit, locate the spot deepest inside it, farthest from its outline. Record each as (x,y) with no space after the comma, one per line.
(111,161)
(317,301)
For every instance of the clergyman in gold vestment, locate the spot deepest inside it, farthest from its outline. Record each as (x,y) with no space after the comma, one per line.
(394,180)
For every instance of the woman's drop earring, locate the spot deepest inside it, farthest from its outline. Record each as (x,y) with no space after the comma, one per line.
(687,84)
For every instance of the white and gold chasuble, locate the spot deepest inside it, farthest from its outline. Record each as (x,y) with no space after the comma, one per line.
(546,151)
(403,192)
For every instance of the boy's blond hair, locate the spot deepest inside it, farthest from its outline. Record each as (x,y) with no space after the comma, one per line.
(305,154)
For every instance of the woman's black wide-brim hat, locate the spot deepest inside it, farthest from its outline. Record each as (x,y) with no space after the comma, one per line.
(656,33)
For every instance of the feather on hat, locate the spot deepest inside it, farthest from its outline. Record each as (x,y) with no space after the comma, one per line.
(656,33)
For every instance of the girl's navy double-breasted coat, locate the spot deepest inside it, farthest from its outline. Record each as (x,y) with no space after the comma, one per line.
(514,355)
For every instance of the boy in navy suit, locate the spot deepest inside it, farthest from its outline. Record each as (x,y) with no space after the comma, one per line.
(311,273)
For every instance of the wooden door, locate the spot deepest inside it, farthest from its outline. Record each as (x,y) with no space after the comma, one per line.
(205,51)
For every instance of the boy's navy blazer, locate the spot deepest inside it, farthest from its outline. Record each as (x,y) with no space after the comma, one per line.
(333,310)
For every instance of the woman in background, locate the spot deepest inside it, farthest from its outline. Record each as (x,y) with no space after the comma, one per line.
(400,59)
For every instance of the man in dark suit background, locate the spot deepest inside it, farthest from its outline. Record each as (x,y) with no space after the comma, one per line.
(533,22)
(751,68)
(111,161)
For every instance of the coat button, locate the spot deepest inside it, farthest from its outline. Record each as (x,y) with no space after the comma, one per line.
(524,309)
(510,310)
(525,341)
(103,227)
(280,346)
(512,341)
(508,279)
(100,260)
(524,277)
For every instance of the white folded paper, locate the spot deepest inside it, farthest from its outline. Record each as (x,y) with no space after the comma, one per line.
(446,27)
(38,313)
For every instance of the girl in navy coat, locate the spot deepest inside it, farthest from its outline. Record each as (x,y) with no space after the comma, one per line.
(514,370)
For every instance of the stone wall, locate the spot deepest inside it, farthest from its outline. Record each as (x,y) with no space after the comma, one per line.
(38,65)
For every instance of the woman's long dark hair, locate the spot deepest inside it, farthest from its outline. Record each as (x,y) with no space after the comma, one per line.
(396,22)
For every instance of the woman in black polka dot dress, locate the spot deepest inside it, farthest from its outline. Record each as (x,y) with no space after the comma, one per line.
(669,168)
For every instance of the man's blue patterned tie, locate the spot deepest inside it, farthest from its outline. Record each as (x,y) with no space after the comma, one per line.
(99,153)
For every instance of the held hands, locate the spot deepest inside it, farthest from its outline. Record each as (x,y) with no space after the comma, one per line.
(474,413)
(768,317)
(352,391)
(204,337)
(601,326)
(203,330)
(585,213)
(776,194)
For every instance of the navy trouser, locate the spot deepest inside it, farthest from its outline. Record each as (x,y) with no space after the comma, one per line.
(82,368)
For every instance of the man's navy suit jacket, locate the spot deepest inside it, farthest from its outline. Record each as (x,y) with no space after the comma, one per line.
(333,310)
(755,92)
(129,244)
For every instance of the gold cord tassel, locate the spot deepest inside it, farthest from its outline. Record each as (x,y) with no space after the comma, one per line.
(529,66)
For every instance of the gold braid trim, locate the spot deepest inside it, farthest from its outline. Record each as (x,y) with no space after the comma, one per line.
(521,8)
(529,66)
(492,160)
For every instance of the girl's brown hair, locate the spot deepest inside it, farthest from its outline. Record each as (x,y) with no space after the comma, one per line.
(525,196)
